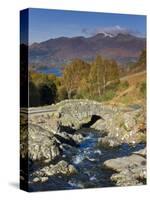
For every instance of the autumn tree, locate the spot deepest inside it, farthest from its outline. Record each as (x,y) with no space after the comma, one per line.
(112,72)
(79,80)
(97,76)
(73,74)
(103,71)
(62,93)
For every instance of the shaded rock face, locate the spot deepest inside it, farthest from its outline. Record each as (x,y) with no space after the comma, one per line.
(62,167)
(94,118)
(70,139)
(130,170)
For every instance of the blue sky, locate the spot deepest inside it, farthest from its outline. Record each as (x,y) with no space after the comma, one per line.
(45,24)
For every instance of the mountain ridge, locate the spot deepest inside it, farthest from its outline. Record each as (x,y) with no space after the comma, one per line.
(57,51)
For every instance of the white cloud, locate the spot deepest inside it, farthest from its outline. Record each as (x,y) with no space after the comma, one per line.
(111,31)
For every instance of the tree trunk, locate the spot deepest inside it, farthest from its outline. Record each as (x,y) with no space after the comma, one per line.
(69,94)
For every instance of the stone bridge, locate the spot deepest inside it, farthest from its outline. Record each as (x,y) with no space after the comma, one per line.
(120,122)
(80,109)
(72,113)
(78,112)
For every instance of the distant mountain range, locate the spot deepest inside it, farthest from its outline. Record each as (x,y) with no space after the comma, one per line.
(55,52)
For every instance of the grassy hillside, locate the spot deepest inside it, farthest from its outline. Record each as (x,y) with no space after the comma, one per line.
(132,90)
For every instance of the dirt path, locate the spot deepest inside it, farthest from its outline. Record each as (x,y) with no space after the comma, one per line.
(133,76)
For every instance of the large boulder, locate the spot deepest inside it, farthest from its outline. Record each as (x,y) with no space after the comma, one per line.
(61,168)
(38,143)
(141,152)
(109,142)
(129,170)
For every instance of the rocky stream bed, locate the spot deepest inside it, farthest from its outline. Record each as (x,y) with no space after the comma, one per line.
(63,153)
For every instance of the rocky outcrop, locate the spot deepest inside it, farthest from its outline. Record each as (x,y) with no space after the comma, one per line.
(38,144)
(124,127)
(42,139)
(129,170)
(62,167)
(53,123)
(48,121)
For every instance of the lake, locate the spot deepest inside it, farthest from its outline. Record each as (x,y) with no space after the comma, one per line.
(54,70)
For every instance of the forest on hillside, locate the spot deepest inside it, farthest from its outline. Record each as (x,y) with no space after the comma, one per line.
(98,80)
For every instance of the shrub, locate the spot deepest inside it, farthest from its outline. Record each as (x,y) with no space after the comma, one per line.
(143,89)
(123,85)
(108,95)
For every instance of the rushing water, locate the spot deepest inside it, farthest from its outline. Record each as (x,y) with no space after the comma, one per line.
(88,158)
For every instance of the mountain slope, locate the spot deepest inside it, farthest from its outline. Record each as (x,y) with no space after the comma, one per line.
(122,47)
